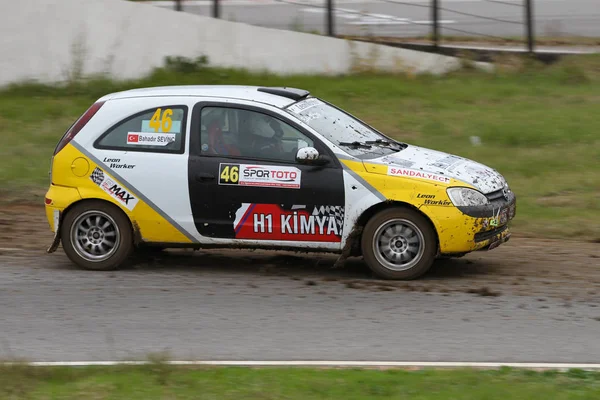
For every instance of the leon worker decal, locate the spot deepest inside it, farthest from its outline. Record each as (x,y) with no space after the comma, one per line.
(259,175)
(313,223)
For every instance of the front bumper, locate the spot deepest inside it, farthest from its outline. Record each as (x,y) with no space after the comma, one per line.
(476,228)
(491,239)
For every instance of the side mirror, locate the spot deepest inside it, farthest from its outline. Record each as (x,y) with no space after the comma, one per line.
(307,154)
(310,155)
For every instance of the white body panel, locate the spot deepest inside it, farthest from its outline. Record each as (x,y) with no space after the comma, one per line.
(359,198)
(159,177)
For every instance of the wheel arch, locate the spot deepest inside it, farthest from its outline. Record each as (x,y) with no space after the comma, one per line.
(376,208)
(137,238)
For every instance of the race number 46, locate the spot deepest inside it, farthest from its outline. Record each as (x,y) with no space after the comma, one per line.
(229,174)
(165,122)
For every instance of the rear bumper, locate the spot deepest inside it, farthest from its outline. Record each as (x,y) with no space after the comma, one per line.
(59,198)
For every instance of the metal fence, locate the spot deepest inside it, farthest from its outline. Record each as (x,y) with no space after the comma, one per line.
(431,21)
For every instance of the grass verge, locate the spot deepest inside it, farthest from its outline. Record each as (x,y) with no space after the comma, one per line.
(162,381)
(538,125)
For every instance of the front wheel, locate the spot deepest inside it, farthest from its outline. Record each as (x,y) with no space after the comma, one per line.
(399,243)
(96,236)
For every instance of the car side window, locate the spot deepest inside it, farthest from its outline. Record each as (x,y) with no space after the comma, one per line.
(160,129)
(237,132)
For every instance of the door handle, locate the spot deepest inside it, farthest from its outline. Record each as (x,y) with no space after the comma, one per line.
(204,176)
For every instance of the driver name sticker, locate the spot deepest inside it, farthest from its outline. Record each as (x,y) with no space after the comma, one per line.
(304,105)
(395,171)
(150,138)
(259,175)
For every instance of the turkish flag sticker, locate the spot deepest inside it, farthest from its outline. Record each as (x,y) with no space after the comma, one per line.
(133,138)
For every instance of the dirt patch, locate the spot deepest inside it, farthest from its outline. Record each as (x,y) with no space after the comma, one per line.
(524,266)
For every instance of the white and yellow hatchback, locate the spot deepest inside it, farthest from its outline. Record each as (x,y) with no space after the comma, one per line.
(262,167)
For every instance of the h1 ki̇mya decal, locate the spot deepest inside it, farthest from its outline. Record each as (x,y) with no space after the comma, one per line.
(312,223)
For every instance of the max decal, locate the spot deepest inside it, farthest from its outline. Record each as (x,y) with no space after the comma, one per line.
(114,189)
(259,175)
(315,223)
(394,171)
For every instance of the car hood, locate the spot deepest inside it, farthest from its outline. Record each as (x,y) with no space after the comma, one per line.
(414,160)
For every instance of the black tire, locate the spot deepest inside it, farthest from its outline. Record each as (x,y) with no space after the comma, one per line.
(79,247)
(390,226)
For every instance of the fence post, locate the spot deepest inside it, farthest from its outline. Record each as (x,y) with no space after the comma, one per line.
(216,9)
(435,19)
(529,25)
(178,6)
(329,18)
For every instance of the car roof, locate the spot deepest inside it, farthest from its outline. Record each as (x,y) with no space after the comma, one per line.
(275,96)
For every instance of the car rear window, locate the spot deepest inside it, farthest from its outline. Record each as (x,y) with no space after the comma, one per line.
(160,130)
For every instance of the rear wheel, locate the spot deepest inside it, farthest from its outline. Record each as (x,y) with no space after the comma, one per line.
(97,236)
(398,243)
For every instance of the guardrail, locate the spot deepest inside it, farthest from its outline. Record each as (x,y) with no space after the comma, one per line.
(433,21)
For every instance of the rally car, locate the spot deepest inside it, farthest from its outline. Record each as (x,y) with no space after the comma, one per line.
(262,167)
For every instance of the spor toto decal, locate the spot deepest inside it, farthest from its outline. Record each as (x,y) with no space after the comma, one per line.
(395,171)
(150,138)
(313,223)
(259,175)
(114,189)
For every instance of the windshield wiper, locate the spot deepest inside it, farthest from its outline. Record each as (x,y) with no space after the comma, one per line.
(387,143)
(355,144)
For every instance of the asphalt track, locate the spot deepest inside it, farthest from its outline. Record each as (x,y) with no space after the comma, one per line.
(254,306)
(409,18)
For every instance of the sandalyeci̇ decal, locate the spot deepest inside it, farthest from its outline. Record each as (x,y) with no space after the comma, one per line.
(395,171)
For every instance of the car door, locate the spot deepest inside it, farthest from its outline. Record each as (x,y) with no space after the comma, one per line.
(245,182)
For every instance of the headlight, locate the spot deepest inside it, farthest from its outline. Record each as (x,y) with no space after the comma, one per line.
(465,197)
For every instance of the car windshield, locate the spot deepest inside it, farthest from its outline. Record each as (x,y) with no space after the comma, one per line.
(342,129)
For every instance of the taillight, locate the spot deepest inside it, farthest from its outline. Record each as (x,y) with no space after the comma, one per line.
(78,126)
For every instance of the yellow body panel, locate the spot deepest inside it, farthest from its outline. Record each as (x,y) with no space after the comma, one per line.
(455,230)
(71,183)
(61,197)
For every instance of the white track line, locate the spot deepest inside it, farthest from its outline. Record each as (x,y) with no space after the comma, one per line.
(403,364)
